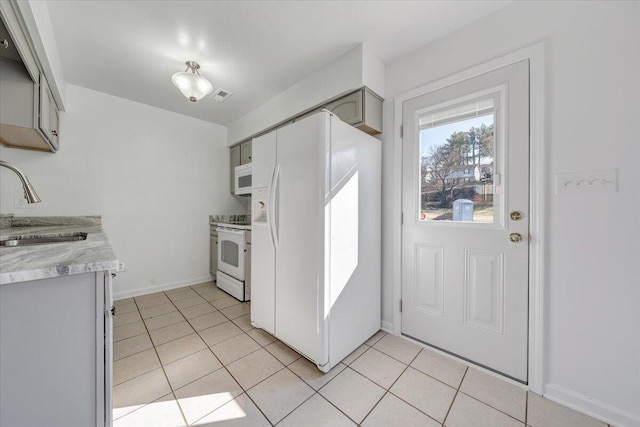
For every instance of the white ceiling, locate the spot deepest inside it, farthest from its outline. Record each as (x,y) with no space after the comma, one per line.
(255,49)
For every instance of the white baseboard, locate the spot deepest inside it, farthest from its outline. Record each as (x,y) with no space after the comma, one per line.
(594,408)
(387,327)
(163,287)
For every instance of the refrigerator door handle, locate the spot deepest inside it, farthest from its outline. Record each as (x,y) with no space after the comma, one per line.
(270,212)
(274,206)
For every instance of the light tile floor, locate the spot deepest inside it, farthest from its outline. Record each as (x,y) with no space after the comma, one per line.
(190,356)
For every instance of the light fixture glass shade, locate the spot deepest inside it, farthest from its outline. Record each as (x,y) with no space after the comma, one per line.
(191,84)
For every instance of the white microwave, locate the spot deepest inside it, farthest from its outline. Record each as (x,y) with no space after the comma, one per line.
(242,178)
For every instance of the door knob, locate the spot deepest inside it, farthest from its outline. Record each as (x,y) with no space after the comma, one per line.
(515,215)
(515,237)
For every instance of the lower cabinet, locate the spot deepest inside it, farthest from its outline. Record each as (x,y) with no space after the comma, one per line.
(213,252)
(247,265)
(56,351)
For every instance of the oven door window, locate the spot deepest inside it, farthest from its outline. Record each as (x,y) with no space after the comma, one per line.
(244,181)
(229,253)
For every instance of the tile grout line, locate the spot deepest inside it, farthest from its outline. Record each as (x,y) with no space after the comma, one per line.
(467,367)
(294,409)
(493,407)
(287,366)
(211,351)
(331,403)
(324,385)
(526,408)
(376,404)
(165,375)
(364,376)
(388,391)
(246,391)
(165,372)
(222,366)
(339,410)
(455,396)
(132,336)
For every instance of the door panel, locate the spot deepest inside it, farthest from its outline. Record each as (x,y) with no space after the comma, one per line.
(263,262)
(429,284)
(300,187)
(484,290)
(465,167)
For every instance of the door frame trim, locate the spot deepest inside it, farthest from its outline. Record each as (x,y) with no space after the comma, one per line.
(537,195)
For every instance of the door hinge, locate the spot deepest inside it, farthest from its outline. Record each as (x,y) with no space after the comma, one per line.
(400,306)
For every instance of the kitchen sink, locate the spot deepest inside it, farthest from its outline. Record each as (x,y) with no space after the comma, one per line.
(39,239)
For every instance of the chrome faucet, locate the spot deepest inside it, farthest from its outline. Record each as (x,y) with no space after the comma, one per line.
(29,192)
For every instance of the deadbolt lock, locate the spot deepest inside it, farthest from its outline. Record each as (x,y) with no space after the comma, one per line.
(516,216)
(515,237)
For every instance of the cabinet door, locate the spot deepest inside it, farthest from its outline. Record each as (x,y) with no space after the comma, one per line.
(348,108)
(213,254)
(247,272)
(50,355)
(107,343)
(54,125)
(245,152)
(235,161)
(46,100)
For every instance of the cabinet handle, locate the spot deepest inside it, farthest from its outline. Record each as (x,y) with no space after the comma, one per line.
(113,310)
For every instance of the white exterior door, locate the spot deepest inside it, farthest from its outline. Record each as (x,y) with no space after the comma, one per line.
(465,219)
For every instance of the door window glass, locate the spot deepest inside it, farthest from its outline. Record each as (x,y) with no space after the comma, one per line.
(458,163)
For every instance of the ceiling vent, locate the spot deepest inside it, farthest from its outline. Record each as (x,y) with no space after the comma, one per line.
(221,95)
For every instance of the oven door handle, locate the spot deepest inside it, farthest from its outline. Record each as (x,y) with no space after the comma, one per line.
(229,231)
(273,210)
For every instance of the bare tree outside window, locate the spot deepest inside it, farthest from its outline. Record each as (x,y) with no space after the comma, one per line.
(457,163)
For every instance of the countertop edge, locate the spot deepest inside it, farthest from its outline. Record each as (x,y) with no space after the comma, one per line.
(36,262)
(50,272)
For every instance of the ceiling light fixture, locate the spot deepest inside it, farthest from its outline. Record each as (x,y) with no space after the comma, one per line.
(192,84)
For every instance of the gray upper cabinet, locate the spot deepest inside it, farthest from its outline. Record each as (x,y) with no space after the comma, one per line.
(55,120)
(46,99)
(240,154)
(362,109)
(28,111)
(348,108)
(234,161)
(245,152)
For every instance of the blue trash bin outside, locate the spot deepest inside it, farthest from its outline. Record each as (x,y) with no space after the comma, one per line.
(463,210)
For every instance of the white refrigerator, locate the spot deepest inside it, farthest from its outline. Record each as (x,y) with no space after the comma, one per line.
(316,237)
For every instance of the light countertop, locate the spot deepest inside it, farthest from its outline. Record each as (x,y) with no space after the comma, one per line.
(23,263)
(238,226)
(237,220)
